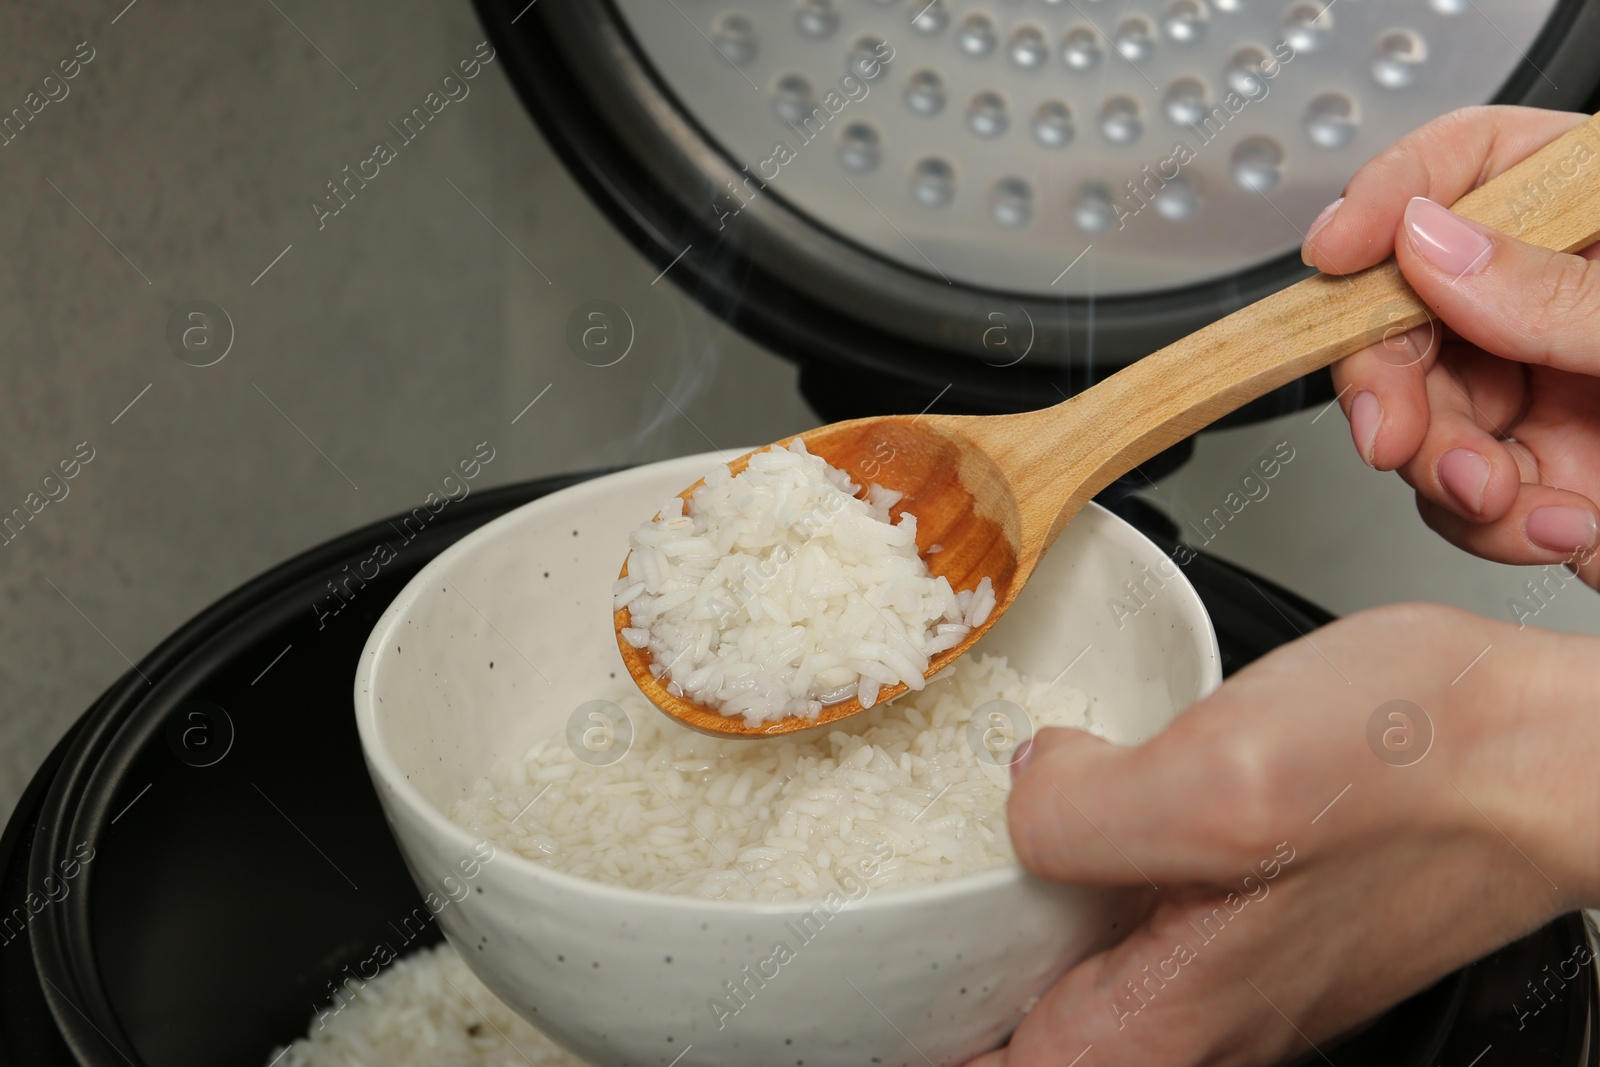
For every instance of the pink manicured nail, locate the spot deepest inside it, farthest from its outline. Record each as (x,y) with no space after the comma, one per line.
(1021,758)
(1563,529)
(1464,475)
(1366,416)
(1322,219)
(1445,239)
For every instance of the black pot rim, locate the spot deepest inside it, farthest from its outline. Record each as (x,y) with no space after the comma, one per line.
(70,798)
(75,809)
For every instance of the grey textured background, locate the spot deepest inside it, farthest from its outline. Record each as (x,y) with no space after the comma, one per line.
(395,339)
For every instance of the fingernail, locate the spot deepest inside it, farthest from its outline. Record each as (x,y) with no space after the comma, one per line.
(1563,529)
(1366,416)
(1021,758)
(1445,239)
(1315,228)
(1464,475)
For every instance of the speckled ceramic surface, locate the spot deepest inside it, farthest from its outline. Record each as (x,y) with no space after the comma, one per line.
(923,975)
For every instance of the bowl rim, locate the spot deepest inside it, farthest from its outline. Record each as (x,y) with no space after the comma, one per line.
(388,775)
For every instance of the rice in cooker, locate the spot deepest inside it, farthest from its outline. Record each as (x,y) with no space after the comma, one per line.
(424,1010)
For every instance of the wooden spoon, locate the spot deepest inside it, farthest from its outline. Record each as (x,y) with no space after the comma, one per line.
(995,491)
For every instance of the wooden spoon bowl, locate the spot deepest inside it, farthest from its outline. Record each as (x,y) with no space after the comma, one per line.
(994,491)
(972,516)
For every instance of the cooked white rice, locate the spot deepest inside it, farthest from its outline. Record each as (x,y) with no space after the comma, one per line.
(425,1010)
(781,591)
(772,820)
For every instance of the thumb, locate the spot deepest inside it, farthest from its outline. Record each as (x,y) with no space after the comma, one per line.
(1088,812)
(1511,299)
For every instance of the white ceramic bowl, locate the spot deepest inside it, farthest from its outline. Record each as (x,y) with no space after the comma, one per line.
(926,974)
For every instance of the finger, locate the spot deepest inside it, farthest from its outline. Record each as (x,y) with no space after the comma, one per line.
(1383,391)
(1463,463)
(1389,423)
(1078,1012)
(1443,161)
(1144,1002)
(1543,525)
(1184,807)
(1051,833)
(1512,299)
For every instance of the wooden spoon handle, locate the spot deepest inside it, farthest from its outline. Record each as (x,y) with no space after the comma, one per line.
(1551,199)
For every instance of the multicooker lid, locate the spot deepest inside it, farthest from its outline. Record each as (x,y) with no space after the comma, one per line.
(1011,198)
